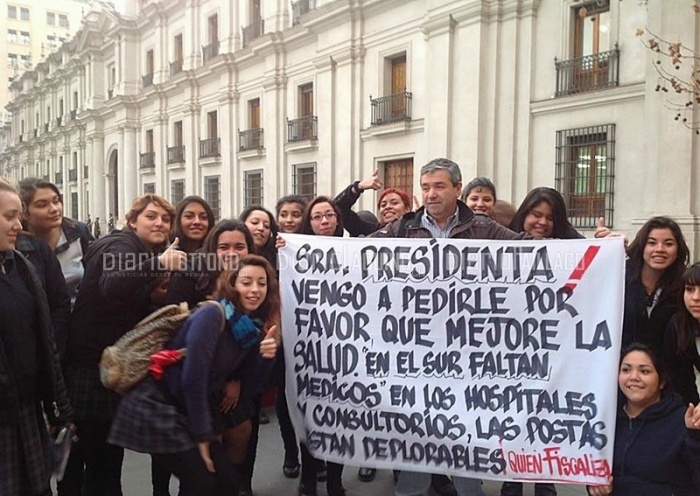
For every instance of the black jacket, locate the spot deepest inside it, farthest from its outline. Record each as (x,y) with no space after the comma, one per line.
(48,270)
(352,222)
(655,454)
(682,366)
(114,295)
(52,389)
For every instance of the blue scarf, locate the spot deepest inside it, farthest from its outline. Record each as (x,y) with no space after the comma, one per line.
(245,331)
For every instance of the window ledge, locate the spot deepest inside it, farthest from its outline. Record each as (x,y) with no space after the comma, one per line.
(252,153)
(301,145)
(395,129)
(175,165)
(147,172)
(209,161)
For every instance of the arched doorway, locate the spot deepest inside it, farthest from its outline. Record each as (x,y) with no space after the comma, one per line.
(113,192)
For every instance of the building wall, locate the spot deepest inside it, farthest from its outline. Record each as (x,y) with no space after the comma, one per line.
(481,74)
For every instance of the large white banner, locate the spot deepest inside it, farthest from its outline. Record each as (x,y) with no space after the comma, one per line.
(490,359)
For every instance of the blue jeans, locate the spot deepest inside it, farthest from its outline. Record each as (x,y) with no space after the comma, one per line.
(418,484)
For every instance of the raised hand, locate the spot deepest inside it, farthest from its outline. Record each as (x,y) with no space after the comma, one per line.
(173,258)
(371,182)
(692,417)
(268,346)
(601,230)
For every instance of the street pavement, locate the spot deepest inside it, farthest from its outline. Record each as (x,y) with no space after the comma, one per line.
(269,480)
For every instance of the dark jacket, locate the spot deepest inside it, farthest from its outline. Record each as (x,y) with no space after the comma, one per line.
(469,226)
(637,326)
(114,295)
(189,285)
(655,453)
(352,222)
(682,365)
(48,270)
(52,389)
(78,231)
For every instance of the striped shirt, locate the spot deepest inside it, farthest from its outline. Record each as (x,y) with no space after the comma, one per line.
(435,230)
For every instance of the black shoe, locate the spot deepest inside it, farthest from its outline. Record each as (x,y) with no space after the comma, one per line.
(542,489)
(321,472)
(338,491)
(366,474)
(264,419)
(512,489)
(306,491)
(291,470)
(443,485)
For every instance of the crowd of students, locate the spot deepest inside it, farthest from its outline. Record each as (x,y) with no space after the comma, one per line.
(65,296)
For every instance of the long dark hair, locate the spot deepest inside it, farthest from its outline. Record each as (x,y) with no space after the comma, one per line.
(306,219)
(684,321)
(269,310)
(635,252)
(186,244)
(268,250)
(28,188)
(562,228)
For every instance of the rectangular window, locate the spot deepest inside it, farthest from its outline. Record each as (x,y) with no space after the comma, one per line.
(177,191)
(26,61)
(212,124)
(12,59)
(399,174)
(254,113)
(149,62)
(149,140)
(306,100)
(63,21)
(591,28)
(304,179)
(177,133)
(75,100)
(253,188)
(25,38)
(11,12)
(24,13)
(74,205)
(213,28)
(50,18)
(585,173)
(212,194)
(75,160)
(11,36)
(149,188)
(178,51)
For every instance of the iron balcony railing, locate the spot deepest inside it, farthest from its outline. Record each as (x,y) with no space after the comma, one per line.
(21,138)
(72,175)
(392,108)
(147,80)
(110,93)
(175,67)
(304,128)
(46,127)
(176,154)
(210,51)
(59,121)
(73,114)
(36,132)
(253,31)
(300,8)
(589,73)
(210,147)
(251,139)
(148,160)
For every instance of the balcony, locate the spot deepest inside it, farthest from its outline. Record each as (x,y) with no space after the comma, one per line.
(58,178)
(46,127)
(110,93)
(304,128)
(210,147)
(590,73)
(253,31)
(36,132)
(72,175)
(21,138)
(175,67)
(73,114)
(210,51)
(147,80)
(300,8)
(252,139)
(59,121)
(148,160)
(176,154)
(392,108)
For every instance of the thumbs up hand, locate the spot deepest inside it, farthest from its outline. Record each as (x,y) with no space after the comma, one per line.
(601,231)
(173,259)
(371,182)
(268,346)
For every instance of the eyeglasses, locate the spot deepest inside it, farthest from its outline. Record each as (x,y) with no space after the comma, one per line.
(318,217)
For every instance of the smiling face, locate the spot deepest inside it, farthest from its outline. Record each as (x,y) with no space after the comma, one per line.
(639,381)
(439,194)
(251,285)
(289,217)
(660,250)
(10,219)
(324,220)
(481,200)
(45,212)
(391,208)
(539,221)
(230,248)
(258,223)
(194,221)
(152,225)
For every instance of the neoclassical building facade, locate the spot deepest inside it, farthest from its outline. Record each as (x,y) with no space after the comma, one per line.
(243,102)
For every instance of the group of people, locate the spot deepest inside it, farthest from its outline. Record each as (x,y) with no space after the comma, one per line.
(65,297)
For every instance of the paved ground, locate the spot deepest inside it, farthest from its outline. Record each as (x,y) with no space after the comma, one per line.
(269,480)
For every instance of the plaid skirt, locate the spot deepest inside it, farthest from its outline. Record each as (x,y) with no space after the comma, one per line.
(25,456)
(89,398)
